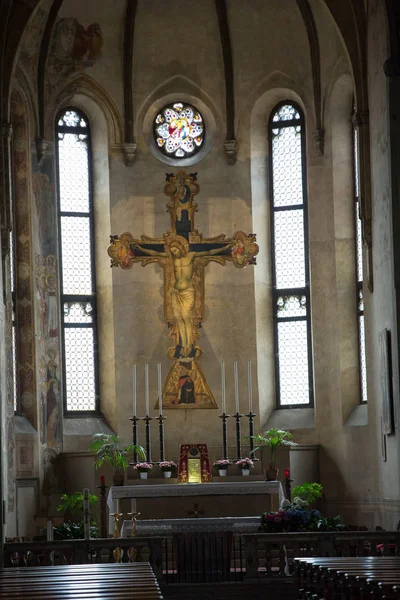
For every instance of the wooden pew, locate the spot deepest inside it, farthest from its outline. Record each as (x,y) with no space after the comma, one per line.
(111,581)
(348,578)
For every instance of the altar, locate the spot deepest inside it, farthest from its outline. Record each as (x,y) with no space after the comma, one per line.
(213,500)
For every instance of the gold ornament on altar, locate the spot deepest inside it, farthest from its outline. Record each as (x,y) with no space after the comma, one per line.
(183,254)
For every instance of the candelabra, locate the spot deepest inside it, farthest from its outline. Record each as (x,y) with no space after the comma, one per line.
(161,432)
(135,421)
(238,416)
(147,420)
(251,416)
(224,417)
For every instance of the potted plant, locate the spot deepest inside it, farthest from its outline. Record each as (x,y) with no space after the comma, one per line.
(143,468)
(72,506)
(108,449)
(310,492)
(245,464)
(222,465)
(167,466)
(273,438)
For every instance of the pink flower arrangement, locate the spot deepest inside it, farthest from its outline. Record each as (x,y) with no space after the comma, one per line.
(143,467)
(222,463)
(245,463)
(167,465)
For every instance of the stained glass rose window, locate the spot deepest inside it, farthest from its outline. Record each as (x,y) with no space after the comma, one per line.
(179,130)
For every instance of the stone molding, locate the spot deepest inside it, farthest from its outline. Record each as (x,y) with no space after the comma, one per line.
(231,151)
(129,153)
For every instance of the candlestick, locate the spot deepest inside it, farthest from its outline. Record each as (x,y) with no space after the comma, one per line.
(134,390)
(223,387)
(103,507)
(238,416)
(251,416)
(86,514)
(147,420)
(161,434)
(224,417)
(236,378)
(250,386)
(159,388)
(135,420)
(146,387)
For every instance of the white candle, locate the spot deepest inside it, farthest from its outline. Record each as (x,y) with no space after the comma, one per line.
(250,384)
(159,387)
(133,505)
(146,387)
(223,387)
(134,390)
(236,378)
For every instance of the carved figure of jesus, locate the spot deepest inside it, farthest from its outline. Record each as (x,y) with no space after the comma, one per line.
(183,292)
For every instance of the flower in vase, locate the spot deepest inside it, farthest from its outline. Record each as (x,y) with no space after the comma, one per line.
(222,463)
(245,463)
(167,465)
(143,467)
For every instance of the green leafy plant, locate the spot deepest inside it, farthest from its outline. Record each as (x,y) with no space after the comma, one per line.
(74,531)
(272,439)
(108,449)
(310,492)
(330,524)
(72,505)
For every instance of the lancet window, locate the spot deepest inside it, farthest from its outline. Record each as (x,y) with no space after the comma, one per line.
(359,276)
(290,268)
(77,274)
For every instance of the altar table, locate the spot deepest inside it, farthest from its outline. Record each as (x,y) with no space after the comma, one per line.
(195,490)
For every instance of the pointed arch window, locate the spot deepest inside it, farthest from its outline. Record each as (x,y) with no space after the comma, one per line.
(290,268)
(77,273)
(359,273)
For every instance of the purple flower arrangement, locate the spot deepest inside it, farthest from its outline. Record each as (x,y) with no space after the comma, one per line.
(293,516)
(245,463)
(143,467)
(222,463)
(167,465)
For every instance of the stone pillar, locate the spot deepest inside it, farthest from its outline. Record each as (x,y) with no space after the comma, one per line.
(304,464)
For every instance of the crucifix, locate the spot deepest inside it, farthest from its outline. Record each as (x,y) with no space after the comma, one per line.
(183,254)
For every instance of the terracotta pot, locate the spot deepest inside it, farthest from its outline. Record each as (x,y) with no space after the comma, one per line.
(118,478)
(271,474)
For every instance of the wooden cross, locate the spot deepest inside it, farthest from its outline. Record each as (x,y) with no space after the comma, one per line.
(183,254)
(195,513)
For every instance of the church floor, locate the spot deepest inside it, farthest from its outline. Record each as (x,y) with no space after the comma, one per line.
(273,589)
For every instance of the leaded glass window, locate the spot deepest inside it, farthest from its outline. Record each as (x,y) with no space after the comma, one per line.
(359,273)
(13,322)
(78,286)
(179,130)
(290,271)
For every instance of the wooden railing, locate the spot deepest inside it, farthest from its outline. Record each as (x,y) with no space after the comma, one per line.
(244,557)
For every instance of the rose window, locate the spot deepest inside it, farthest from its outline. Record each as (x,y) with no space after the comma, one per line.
(179,130)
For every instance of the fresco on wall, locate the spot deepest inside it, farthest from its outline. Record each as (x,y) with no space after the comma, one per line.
(45,217)
(23,255)
(72,49)
(47,332)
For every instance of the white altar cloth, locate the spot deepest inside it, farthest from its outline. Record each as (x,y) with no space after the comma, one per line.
(160,490)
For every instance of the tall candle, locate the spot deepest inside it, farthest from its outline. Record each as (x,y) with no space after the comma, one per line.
(146,387)
(159,387)
(134,390)
(236,378)
(250,384)
(223,387)
(102,479)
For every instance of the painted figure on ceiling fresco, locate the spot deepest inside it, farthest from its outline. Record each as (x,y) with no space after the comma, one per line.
(183,292)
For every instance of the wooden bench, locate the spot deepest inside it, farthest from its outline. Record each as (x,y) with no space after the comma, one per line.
(112,581)
(348,578)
